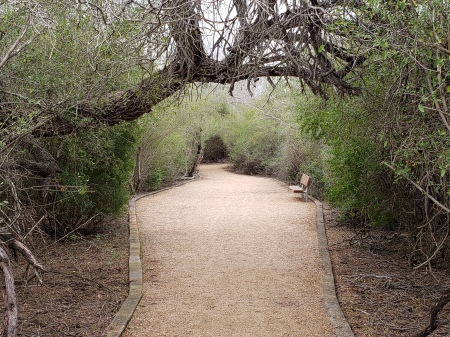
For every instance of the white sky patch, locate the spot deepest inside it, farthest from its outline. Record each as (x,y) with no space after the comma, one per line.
(219,27)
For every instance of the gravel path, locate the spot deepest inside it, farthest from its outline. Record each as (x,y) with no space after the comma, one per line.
(229,255)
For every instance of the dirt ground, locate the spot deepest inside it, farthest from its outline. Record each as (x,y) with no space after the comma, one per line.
(379,292)
(88,278)
(85,283)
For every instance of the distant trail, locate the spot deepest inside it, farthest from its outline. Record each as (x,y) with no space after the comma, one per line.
(229,256)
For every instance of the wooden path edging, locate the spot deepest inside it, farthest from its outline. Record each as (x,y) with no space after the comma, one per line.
(334,311)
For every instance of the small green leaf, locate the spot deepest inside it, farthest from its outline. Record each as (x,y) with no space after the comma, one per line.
(448,89)
(443,171)
(421,108)
(438,62)
(401,4)
(321,48)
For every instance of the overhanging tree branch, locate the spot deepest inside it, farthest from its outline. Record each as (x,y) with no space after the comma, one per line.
(266,41)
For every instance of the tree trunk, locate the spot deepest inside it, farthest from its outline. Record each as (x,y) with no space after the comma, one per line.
(137,178)
(194,169)
(9,296)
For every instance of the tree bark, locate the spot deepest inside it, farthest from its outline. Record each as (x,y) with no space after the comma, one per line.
(196,164)
(9,296)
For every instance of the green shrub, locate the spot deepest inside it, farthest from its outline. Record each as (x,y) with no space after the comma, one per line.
(155,178)
(215,150)
(163,153)
(349,173)
(359,182)
(95,178)
(254,143)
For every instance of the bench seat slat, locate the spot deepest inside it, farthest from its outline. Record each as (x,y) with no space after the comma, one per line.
(297,189)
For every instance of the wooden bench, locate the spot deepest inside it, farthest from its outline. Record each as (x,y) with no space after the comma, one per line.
(305,180)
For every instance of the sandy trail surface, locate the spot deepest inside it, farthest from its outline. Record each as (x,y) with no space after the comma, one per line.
(229,255)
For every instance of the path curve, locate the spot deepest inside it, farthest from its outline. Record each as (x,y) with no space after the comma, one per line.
(229,255)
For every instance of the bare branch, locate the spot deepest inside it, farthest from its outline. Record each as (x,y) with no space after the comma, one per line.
(15,48)
(436,202)
(434,312)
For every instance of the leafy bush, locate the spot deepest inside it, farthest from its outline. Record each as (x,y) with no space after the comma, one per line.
(254,143)
(155,178)
(348,170)
(166,148)
(172,135)
(95,178)
(215,150)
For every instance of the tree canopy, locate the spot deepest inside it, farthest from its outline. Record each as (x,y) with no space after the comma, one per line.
(169,44)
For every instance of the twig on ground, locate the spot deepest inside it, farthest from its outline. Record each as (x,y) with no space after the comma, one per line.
(86,279)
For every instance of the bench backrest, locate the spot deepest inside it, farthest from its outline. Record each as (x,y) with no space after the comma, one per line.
(305,180)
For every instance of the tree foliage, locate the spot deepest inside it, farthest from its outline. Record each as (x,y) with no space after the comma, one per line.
(416,73)
(172,135)
(95,178)
(215,150)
